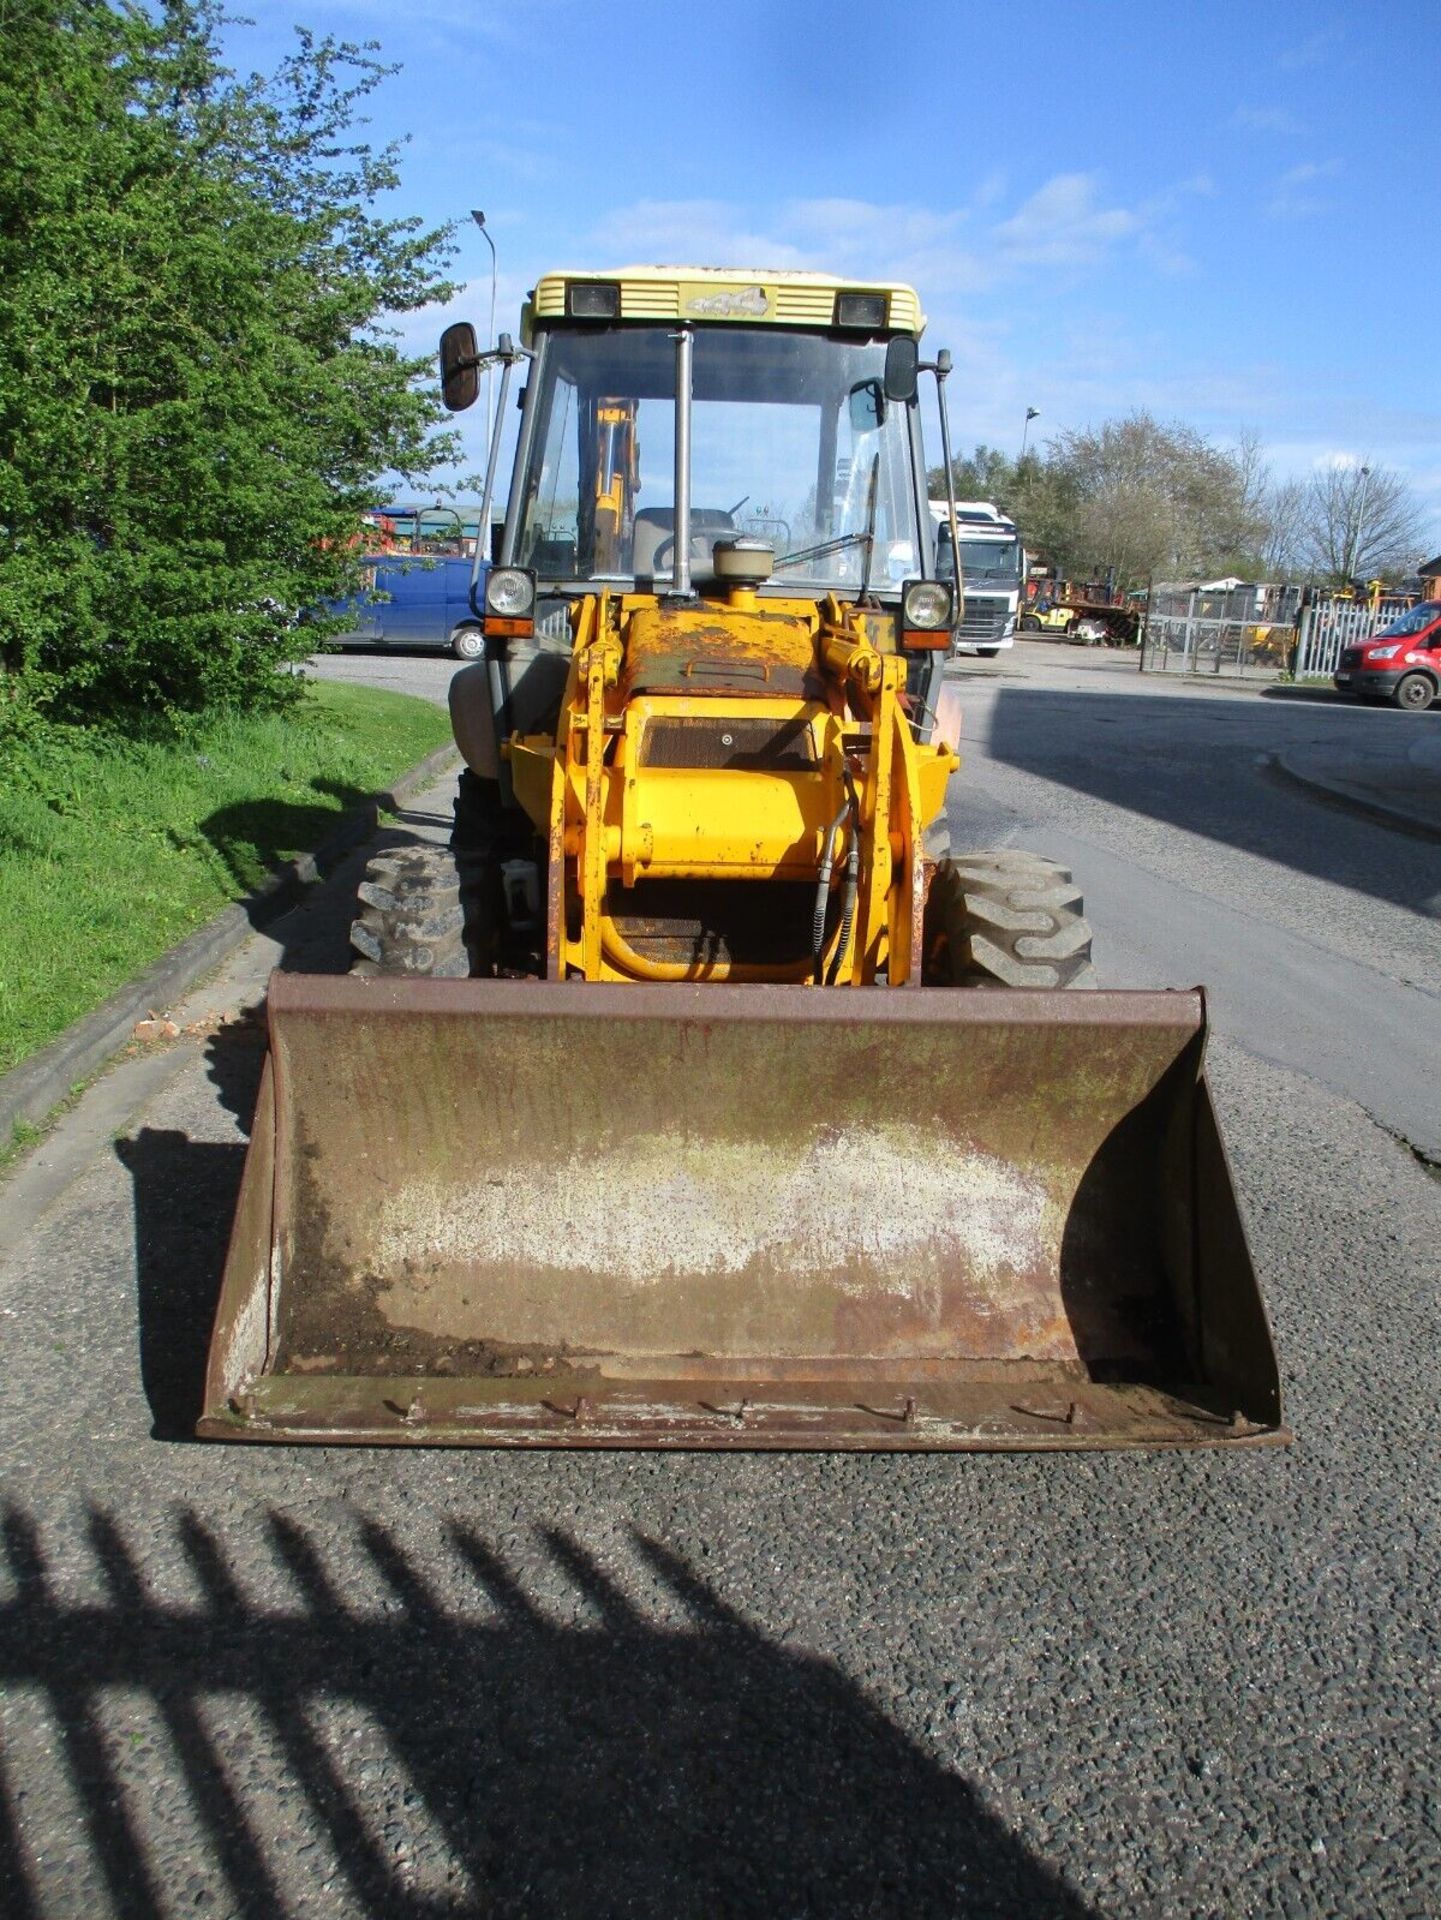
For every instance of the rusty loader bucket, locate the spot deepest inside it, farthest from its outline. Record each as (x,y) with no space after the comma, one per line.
(523,1214)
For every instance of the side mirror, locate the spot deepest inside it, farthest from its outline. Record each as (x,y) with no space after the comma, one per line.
(868,409)
(459,374)
(497,541)
(903,358)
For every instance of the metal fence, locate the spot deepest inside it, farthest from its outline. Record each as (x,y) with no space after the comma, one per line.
(1328,625)
(1192,630)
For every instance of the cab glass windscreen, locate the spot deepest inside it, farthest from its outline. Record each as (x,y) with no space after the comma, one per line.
(779,452)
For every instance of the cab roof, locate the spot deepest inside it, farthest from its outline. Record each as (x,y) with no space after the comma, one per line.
(758,296)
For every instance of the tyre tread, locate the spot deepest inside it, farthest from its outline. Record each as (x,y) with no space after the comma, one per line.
(412,917)
(1006,918)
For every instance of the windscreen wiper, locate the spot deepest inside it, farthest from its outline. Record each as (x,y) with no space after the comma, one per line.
(865,536)
(823,550)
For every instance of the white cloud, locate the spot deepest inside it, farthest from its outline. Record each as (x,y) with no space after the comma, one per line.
(861,222)
(1173,261)
(1294,194)
(922,246)
(1064,225)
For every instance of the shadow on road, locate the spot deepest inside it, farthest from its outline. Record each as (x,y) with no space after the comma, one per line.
(252,837)
(1305,696)
(312,937)
(185,1194)
(476,1758)
(1193,764)
(184,1190)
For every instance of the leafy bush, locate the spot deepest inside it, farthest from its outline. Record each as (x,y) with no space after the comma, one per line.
(197,387)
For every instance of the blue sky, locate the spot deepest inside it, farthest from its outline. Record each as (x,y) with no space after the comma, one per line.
(1228,214)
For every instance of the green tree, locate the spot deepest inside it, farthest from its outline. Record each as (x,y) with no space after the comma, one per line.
(986,474)
(1358,522)
(198,390)
(1153,501)
(1043,503)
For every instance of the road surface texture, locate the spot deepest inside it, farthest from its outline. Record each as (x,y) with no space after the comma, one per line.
(262,1682)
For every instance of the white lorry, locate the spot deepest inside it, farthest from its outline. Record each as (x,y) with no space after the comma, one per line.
(993,570)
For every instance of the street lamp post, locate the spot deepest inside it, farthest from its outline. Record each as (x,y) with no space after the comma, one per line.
(1353,545)
(479,218)
(1032,413)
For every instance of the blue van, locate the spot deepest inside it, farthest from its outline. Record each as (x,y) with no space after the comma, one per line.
(429,605)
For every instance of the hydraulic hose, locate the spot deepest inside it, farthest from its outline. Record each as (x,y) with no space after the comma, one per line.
(823,886)
(853,879)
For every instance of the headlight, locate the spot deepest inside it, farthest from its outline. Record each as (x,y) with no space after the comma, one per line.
(926,604)
(1384,653)
(861,310)
(593,299)
(509,592)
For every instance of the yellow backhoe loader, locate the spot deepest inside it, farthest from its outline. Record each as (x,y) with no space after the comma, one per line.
(698,1095)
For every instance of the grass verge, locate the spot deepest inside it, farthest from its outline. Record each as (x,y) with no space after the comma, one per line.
(113,850)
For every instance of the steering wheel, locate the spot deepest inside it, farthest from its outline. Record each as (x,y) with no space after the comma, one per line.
(664,555)
(700,535)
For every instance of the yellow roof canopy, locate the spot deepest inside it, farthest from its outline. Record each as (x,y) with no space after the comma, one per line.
(754,296)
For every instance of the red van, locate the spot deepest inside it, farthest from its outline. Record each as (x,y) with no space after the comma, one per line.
(1401,663)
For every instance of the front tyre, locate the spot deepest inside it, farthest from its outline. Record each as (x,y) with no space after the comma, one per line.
(1008,919)
(1414,692)
(486,834)
(412,915)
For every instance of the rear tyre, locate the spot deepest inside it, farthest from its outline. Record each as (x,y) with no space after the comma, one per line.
(412,917)
(486,834)
(1007,919)
(467,643)
(1414,692)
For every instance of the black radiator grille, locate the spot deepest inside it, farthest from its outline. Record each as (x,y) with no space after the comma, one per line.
(691,922)
(699,742)
(983,620)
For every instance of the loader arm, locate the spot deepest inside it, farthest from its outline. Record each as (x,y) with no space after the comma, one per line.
(644,783)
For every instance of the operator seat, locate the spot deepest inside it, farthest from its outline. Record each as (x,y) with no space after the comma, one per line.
(654,526)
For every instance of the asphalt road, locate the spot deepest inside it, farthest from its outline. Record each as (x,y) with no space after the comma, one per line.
(265,1681)
(1317,933)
